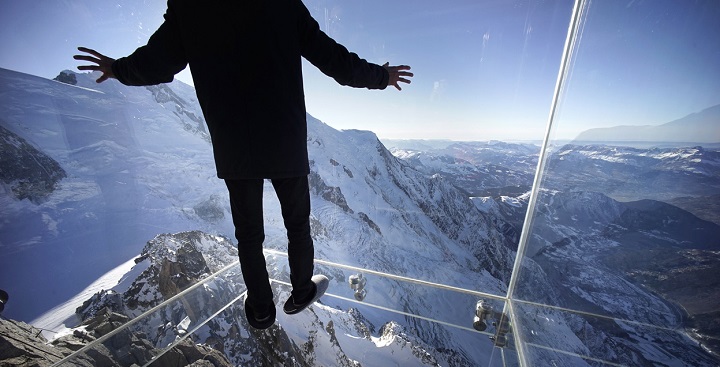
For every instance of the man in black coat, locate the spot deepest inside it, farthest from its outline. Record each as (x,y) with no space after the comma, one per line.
(245,60)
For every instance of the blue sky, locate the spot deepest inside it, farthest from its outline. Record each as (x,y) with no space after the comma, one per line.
(483,69)
(643,63)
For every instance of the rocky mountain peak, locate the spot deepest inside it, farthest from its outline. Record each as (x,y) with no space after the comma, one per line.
(28,172)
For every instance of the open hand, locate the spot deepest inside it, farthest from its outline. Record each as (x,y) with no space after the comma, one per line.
(103,63)
(398,74)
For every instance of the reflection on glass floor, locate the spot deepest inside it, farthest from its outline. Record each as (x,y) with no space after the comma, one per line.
(209,314)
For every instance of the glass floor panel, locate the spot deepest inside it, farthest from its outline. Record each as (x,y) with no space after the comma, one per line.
(209,314)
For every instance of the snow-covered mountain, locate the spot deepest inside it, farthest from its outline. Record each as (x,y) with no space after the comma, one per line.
(134,164)
(628,174)
(137,163)
(614,261)
(322,336)
(685,176)
(480,168)
(597,255)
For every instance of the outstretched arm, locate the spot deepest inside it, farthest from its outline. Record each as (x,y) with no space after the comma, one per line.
(156,62)
(398,74)
(102,63)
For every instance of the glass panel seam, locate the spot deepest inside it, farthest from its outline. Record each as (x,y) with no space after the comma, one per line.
(570,41)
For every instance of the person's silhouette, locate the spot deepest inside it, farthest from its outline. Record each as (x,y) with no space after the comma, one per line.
(245,60)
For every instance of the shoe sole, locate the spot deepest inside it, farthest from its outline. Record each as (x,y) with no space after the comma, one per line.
(321,285)
(257,324)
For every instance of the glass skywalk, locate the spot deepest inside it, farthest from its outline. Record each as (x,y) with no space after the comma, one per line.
(189,311)
(604,252)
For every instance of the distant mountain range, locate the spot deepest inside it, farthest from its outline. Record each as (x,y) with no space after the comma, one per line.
(684,176)
(698,128)
(604,209)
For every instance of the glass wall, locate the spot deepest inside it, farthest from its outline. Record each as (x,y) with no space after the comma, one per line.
(620,241)
(543,193)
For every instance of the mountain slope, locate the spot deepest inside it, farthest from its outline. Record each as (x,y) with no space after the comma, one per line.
(321,336)
(132,168)
(138,163)
(630,174)
(479,168)
(618,261)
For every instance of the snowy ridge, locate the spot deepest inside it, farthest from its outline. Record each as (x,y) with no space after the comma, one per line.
(413,216)
(417,227)
(132,171)
(485,169)
(475,166)
(321,336)
(692,160)
(138,164)
(626,173)
(135,170)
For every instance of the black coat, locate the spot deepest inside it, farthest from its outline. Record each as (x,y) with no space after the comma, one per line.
(245,59)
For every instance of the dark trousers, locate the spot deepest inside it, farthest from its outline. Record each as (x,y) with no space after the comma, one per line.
(247,213)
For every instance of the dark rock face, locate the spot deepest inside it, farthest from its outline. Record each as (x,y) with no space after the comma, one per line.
(175,262)
(163,94)
(187,353)
(22,345)
(210,210)
(66,77)
(170,271)
(29,173)
(330,193)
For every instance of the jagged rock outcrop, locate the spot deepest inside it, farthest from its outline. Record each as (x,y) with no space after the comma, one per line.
(172,262)
(27,171)
(22,345)
(195,355)
(332,194)
(393,333)
(67,77)
(210,210)
(191,120)
(320,336)
(104,322)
